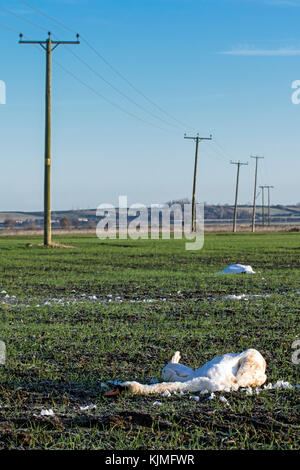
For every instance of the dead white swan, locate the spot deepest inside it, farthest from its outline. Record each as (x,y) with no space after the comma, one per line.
(237,269)
(227,372)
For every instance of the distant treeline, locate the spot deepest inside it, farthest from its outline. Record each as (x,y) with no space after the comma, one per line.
(87,219)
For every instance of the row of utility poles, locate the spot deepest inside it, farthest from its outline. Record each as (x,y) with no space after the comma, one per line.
(254,196)
(198,139)
(49,45)
(263,204)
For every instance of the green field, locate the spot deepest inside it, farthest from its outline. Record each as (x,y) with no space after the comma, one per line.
(151,299)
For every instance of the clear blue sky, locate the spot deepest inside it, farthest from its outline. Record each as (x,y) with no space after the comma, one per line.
(222,66)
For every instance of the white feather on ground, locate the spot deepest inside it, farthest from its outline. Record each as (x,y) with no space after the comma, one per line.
(49,412)
(244,296)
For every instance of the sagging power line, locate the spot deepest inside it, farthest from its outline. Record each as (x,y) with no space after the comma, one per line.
(128,98)
(104,98)
(112,103)
(12,13)
(108,64)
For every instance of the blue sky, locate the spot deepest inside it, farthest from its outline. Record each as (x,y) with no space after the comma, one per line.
(218,66)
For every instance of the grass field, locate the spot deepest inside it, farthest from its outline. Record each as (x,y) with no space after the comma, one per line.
(117,310)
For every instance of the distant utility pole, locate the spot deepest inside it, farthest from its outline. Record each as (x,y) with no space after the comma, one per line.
(236,191)
(254,199)
(263,204)
(49,47)
(197,139)
(269,211)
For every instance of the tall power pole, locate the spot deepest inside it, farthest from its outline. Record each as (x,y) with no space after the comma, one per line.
(254,198)
(48,45)
(197,139)
(269,206)
(236,191)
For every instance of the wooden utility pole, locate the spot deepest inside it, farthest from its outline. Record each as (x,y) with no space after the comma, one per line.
(269,211)
(254,198)
(236,191)
(263,204)
(48,45)
(197,139)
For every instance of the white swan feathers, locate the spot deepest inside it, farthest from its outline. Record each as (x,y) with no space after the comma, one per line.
(228,372)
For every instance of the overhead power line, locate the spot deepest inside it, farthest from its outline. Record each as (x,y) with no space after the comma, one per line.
(119,91)
(13,30)
(40,12)
(97,74)
(96,92)
(129,113)
(211,152)
(113,68)
(8,28)
(222,151)
(95,71)
(137,90)
(12,13)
